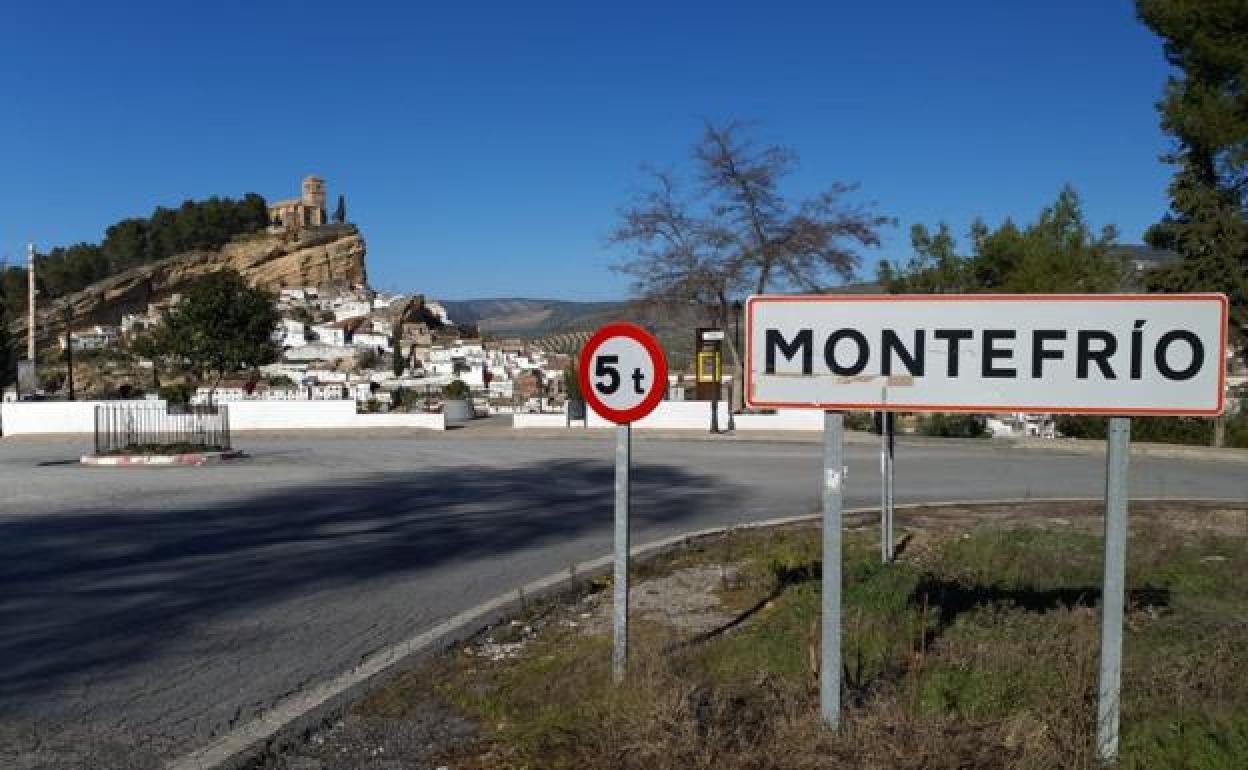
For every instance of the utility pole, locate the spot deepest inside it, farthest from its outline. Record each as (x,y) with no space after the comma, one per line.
(69,348)
(30,294)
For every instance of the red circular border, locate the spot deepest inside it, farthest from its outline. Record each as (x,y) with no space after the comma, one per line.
(647,341)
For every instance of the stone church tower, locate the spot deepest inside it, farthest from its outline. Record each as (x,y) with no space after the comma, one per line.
(306,211)
(314,195)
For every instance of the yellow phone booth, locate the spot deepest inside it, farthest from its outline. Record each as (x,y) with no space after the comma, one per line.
(708,364)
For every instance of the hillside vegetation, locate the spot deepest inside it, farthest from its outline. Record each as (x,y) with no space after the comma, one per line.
(195,225)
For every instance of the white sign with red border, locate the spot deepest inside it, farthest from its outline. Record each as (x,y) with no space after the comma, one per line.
(623,373)
(1120,354)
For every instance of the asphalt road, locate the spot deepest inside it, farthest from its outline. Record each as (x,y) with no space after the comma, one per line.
(143,611)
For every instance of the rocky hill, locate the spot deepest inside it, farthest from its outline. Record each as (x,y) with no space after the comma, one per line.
(332,254)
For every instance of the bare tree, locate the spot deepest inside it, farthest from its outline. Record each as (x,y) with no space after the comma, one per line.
(679,256)
(738,232)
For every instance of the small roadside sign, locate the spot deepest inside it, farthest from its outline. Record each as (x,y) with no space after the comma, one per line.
(623,376)
(623,372)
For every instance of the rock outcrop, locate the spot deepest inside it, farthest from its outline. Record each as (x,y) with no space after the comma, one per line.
(319,256)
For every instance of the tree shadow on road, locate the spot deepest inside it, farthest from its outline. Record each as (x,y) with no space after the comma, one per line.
(86,594)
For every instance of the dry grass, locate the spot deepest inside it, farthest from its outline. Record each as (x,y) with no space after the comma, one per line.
(978,650)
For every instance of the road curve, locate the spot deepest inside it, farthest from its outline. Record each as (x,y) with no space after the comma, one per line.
(145,611)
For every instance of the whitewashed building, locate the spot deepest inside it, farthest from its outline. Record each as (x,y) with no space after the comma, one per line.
(95,338)
(330,334)
(291,333)
(371,341)
(352,308)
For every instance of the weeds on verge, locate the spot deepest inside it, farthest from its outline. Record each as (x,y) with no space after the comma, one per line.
(982,654)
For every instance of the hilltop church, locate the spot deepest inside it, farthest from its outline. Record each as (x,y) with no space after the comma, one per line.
(306,211)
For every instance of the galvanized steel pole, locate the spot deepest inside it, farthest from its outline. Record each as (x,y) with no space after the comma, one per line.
(887,551)
(1113,595)
(830,648)
(884,555)
(619,658)
(890,474)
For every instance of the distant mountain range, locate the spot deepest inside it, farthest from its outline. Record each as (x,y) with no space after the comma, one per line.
(563,325)
(521,317)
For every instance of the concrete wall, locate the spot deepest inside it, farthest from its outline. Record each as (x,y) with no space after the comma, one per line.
(525,420)
(669,415)
(296,415)
(33,417)
(28,417)
(675,415)
(691,415)
(783,419)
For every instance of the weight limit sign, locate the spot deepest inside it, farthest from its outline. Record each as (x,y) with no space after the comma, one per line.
(623,372)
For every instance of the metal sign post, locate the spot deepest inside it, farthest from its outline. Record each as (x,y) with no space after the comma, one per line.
(830,611)
(1113,594)
(890,476)
(623,377)
(619,652)
(887,445)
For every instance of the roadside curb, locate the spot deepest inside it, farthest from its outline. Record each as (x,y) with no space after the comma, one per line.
(187,459)
(303,711)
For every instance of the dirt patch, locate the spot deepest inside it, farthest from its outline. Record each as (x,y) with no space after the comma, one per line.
(687,601)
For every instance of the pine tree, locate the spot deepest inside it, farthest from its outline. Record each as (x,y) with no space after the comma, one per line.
(8,358)
(399,361)
(340,213)
(1205,109)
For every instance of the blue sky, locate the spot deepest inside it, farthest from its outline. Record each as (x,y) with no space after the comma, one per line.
(485,147)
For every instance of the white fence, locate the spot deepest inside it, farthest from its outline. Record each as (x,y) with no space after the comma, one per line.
(669,415)
(62,417)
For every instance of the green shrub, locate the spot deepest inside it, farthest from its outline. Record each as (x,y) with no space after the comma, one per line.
(1160,430)
(177,394)
(457,390)
(572,383)
(863,421)
(952,425)
(1237,431)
